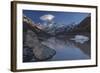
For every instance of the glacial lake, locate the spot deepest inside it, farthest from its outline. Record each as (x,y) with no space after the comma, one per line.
(66,49)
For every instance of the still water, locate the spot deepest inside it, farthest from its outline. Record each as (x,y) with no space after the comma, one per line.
(66,49)
(70,47)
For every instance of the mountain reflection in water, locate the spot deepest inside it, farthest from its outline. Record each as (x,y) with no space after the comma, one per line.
(65,49)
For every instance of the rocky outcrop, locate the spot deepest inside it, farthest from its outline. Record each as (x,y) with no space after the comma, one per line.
(40,51)
(27,54)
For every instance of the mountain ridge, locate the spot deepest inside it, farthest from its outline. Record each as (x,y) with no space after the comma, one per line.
(83,26)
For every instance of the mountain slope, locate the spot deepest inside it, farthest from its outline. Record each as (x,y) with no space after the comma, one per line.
(29,25)
(84,26)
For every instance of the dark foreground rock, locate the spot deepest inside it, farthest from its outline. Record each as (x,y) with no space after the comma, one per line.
(27,54)
(40,51)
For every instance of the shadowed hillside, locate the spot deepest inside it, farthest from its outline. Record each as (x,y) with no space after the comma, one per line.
(29,25)
(84,26)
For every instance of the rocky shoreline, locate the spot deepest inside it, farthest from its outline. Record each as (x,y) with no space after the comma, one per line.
(39,51)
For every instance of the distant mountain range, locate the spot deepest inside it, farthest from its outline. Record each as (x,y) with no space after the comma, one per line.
(84,26)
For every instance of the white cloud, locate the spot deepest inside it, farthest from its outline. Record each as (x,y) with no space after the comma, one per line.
(47,17)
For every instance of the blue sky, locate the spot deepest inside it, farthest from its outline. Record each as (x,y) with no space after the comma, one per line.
(59,17)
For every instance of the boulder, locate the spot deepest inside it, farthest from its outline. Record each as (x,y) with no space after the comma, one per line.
(40,51)
(43,53)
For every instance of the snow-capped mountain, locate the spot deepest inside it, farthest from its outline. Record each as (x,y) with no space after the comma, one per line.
(55,28)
